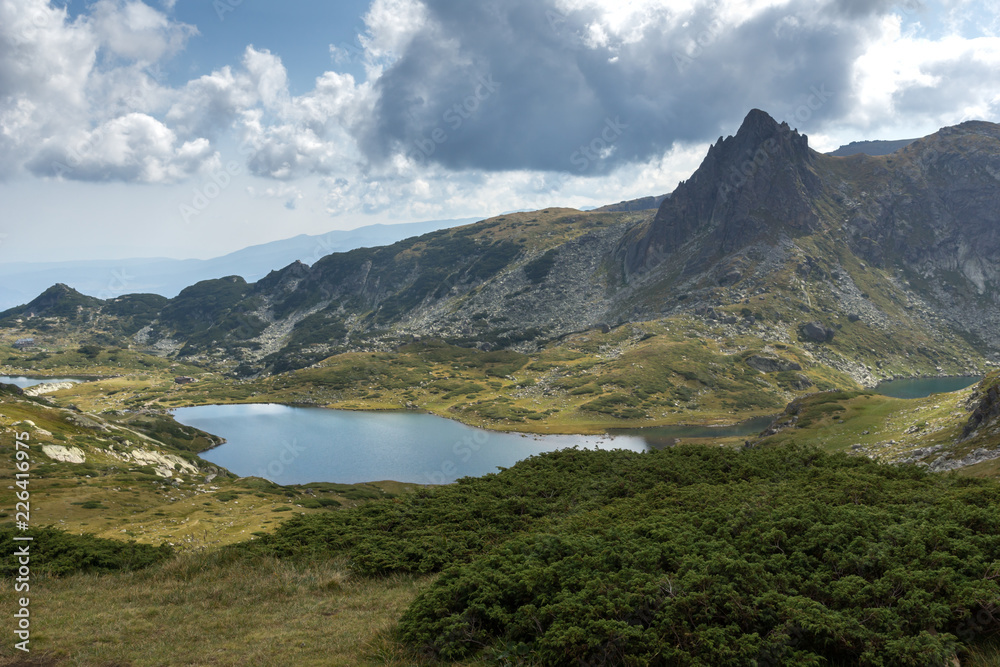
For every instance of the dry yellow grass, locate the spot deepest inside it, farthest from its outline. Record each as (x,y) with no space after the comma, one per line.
(201,609)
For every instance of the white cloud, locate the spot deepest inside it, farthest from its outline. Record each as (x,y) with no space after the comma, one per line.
(134,147)
(43,54)
(287,136)
(406,192)
(391,26)
(135,31)
(930,82)
(61,104)
(210,102)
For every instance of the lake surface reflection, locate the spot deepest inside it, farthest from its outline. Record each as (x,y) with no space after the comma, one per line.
(291,445)
(299,445)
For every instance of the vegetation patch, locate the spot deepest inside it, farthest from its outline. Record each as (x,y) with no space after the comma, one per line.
(690,555)
(58,553)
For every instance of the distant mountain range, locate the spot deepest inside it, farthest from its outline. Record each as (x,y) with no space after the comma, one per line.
(874,148)
(20,282)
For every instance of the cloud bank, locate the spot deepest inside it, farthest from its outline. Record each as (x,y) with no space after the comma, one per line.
(529,98)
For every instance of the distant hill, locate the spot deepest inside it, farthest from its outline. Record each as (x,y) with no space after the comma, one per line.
(871,147)
(20,282)
(642,204)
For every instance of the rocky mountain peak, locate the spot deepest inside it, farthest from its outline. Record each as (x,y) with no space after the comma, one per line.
(765,166)
(759,129)
(60,300)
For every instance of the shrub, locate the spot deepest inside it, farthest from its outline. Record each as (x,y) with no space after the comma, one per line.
(538,269)
(689,555)
(57,553)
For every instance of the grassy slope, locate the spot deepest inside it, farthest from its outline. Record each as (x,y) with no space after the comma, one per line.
(200,610)
(890,429)
(215,608)
(656,373)
(110,497)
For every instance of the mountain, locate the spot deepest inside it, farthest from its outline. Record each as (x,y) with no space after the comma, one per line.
(871,147)
(22,281)
(641,204)
(873,266)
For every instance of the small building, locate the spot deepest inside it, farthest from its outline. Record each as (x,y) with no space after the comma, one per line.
(22,343)
(184,379)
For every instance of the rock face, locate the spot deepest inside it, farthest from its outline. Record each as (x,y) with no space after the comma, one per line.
(872,147)
(817,332)
(985,404)
(771,364)
(47,388)
(748,185)
(64,454)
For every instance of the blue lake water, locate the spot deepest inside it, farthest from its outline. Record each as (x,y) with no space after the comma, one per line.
(923,387)
(291,445)
(299,445)
(666,436)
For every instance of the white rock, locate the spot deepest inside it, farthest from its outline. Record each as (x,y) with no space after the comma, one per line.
(64,454)
(40,389)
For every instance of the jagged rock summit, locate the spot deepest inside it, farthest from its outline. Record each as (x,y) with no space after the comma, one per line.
(748,183)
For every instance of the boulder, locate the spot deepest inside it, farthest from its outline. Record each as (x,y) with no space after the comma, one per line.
(731,278)
(985,405)
(771,364)
(800,383)
(816,332)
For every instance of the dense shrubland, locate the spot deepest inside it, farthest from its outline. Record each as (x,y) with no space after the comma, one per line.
(685,556)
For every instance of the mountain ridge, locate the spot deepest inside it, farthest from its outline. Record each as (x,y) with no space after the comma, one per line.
(167,277)
(767,237)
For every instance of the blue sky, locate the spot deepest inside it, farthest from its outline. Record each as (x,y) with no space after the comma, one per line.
(190,128)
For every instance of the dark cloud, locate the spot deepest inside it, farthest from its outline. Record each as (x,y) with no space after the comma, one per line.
(512,85)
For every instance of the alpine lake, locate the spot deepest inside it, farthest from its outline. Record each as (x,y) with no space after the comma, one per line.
(293,445)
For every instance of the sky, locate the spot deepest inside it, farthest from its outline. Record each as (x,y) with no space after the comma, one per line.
(193,128)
